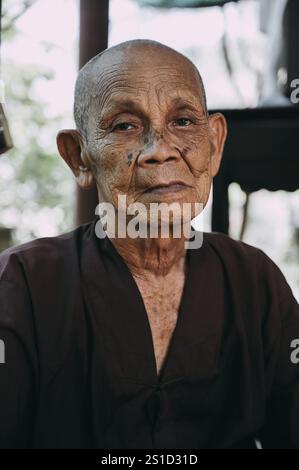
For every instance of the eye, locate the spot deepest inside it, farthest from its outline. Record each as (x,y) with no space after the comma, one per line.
(183,122)
(122,126)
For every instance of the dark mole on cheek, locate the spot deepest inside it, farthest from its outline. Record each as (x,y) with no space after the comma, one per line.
(130,156)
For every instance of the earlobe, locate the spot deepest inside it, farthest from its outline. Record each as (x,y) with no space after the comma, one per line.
(71,148)
(85,178)
(218,132)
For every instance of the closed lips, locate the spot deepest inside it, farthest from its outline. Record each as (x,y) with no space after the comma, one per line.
(171,186)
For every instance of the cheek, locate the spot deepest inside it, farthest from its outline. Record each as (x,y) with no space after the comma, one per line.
(204,187)
(113,166)
(197,155)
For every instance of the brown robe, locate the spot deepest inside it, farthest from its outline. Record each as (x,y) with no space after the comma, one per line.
(80,369)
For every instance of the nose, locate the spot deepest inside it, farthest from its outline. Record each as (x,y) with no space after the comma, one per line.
(157,152)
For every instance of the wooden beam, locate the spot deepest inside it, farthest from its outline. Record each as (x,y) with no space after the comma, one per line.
(94,21)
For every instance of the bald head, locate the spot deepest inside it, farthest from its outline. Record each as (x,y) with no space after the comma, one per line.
(93,84)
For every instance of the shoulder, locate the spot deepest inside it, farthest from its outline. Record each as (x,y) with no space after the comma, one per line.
(235,254)
(41,253)
(249,267)
(225,246)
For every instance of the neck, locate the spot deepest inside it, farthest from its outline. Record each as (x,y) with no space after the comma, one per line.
(151,256)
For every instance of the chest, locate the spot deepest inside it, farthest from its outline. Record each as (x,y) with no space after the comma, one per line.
(162,303)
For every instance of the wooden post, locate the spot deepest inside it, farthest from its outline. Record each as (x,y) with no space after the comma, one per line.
(94,21)
(220,205)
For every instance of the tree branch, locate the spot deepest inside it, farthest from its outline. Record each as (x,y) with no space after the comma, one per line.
(10,22)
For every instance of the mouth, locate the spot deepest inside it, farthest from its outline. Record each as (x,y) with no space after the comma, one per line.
(171,187)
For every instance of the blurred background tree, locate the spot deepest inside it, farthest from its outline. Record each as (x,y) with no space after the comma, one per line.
(36,187)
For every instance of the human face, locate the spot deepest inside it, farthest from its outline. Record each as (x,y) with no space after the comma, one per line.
(150,140)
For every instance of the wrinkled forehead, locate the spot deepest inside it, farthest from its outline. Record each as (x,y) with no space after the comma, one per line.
(141,77)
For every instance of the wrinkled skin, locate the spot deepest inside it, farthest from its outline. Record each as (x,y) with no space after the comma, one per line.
(146,126)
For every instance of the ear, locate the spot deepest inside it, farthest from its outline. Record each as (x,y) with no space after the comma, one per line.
(72,149)
(218,133)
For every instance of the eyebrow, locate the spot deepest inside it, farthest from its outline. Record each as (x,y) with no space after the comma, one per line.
(121,106)
(181,103)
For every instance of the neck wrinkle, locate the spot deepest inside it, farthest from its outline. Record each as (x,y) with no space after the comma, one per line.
(152,257)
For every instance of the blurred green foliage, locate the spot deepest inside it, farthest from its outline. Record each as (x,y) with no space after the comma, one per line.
(36,186)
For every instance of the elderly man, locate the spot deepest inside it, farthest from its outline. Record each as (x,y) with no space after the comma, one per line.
(139,342)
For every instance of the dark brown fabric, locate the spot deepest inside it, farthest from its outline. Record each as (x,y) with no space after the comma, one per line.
(80,367)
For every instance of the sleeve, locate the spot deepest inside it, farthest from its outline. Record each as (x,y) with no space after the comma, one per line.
(281,361)
(17,365)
